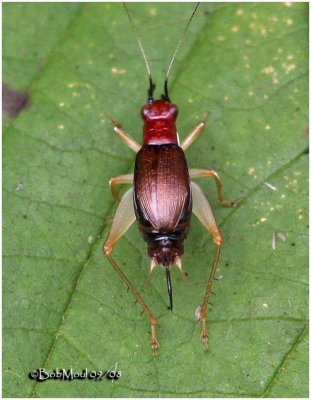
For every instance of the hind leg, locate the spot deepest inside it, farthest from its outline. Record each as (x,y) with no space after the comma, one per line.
(203,211)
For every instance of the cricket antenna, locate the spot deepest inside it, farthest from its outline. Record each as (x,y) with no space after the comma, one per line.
(169,288)
(165,96)
(151,89)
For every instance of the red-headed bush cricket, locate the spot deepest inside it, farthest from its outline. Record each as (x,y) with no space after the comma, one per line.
(163,196)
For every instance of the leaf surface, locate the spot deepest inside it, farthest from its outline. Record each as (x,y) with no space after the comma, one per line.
(63,304)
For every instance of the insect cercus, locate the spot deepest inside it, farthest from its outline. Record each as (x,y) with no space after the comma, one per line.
(163,195)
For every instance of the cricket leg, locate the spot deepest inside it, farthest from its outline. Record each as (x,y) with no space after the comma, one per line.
(203,211)
(127,139)
(119,180)
(124,136)
(192,136)
(206,173)
(123,219)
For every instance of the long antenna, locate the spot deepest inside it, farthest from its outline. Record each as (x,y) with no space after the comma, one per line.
(151,84)
(165,96)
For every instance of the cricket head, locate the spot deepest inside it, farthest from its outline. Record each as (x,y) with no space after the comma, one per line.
(159,118)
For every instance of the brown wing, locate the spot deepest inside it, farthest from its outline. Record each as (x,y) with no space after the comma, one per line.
(162,195)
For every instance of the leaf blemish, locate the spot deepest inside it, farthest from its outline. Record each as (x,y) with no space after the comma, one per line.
(273,18)
(13,101)
(118,71)
(268,70)
(270,186)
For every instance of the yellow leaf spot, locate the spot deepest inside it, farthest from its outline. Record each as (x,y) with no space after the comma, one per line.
(118,71)
(273,18)
(267,70)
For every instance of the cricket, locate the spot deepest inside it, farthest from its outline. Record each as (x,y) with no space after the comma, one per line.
(163,196)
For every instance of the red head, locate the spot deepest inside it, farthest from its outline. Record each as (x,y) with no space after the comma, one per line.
(159,122)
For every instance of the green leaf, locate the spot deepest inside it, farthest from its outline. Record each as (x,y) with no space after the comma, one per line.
(63,304)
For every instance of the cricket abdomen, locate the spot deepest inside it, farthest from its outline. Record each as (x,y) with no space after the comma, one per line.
(162,200)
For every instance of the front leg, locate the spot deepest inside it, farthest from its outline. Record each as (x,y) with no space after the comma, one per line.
(192,136)
(127,139)
(123,135)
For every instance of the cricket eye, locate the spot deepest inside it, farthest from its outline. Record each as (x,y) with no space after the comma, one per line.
(145,111)
(173,110)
